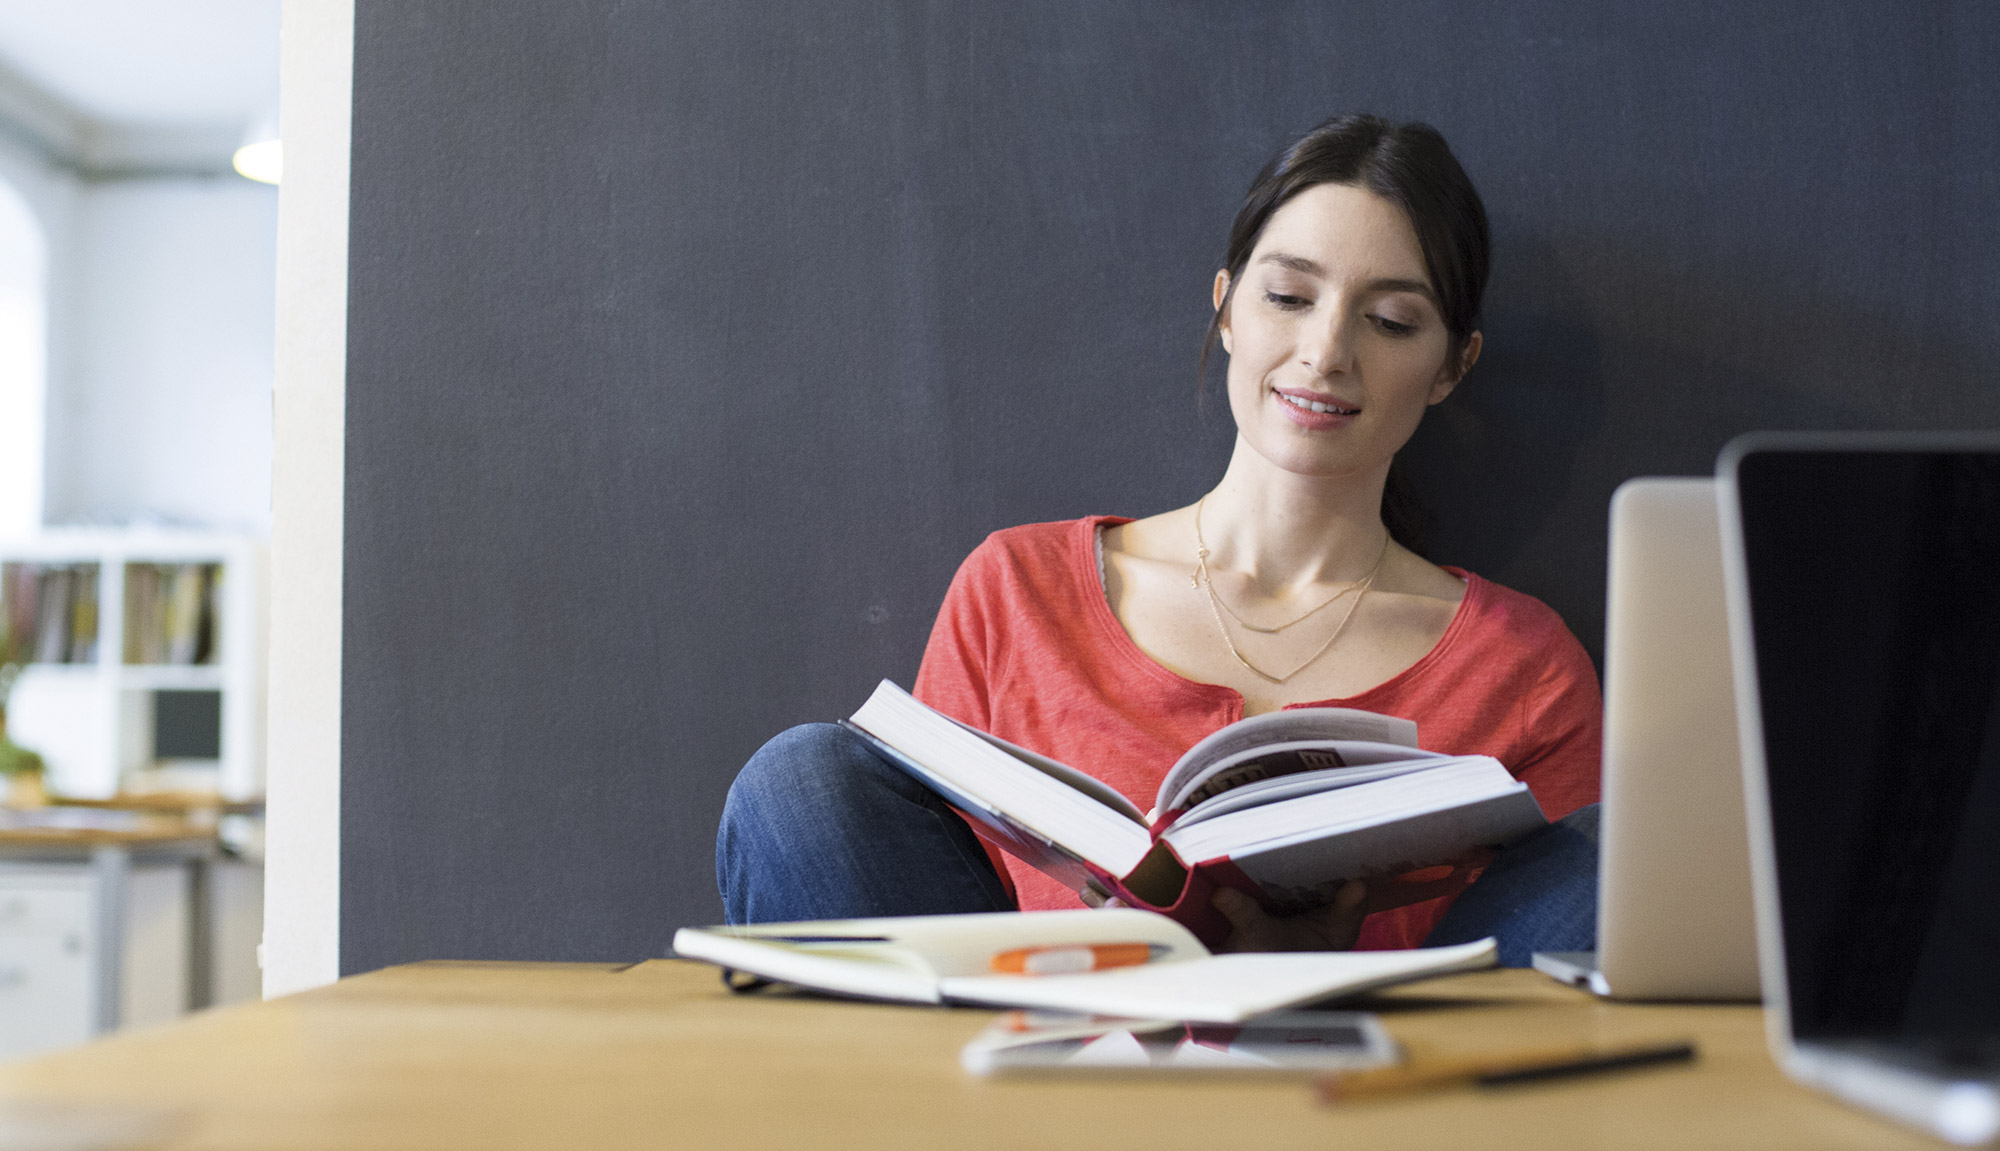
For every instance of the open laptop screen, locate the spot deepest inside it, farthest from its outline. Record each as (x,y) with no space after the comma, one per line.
(1874,580)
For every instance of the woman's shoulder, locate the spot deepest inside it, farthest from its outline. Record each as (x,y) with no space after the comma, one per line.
(1055,548)
(1498,622)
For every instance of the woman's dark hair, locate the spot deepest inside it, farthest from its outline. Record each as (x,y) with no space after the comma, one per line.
(1410,166)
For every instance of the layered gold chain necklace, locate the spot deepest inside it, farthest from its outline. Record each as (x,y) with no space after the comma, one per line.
(1216,607)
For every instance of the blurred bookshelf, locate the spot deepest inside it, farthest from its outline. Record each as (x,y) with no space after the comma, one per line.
(143,657)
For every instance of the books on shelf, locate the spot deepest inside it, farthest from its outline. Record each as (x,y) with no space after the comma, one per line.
(50,612)
(978,959)
(1285,807)
(170,613)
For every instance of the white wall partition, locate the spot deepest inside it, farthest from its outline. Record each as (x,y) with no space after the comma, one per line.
(302,879)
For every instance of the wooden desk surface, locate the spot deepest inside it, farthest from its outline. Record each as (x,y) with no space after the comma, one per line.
(493,1055)
(169,802)
(149,831)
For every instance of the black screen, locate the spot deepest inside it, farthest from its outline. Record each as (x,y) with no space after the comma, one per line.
(1875,604)
(187,725)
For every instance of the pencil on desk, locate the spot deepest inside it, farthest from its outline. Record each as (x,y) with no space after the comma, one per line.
(1499,1069)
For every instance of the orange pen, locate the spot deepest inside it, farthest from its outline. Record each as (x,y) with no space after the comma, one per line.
(1073,958)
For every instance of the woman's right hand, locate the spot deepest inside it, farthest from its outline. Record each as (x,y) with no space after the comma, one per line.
(1334,927)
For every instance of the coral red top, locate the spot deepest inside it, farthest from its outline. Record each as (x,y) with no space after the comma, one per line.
(1026,646)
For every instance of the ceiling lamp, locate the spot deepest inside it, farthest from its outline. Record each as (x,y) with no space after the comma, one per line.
(261,157)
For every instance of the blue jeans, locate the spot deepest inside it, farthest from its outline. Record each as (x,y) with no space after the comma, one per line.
(817,826)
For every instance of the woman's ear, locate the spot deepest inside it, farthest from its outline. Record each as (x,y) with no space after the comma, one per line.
(1221,300)
(1448,378)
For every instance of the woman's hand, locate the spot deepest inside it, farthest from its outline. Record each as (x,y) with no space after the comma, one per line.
(1334,927)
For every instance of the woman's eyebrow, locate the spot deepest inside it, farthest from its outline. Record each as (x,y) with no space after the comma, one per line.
(1295,263)
(1417,286)
(1312,268)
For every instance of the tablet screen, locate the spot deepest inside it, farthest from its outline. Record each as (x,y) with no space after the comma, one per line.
(1874,581)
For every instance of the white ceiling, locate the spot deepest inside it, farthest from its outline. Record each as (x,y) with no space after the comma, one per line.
(146,77)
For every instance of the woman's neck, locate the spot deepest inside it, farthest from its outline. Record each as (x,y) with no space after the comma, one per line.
(1286,531)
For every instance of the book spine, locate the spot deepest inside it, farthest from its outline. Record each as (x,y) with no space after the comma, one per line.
(83,620)
(139,580)
(52,629)
(17,598)
(184,614)
(208,645)
(1193,908)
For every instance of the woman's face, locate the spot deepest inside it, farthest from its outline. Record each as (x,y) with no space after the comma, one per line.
(1336,344)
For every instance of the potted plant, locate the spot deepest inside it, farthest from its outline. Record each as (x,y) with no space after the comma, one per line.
(20,768)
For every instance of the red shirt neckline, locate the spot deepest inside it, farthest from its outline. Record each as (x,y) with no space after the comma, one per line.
(1106,622)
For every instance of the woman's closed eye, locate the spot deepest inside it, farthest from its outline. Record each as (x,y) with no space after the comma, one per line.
(1393,327)
(1289,303)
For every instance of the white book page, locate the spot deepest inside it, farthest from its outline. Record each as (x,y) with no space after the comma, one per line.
(1288,726)
(1221,988)
(966,944)
(903,957)
(871,974)
(1464,779)
(1352,755)
(1096,789)
(1292,786)
(970,762)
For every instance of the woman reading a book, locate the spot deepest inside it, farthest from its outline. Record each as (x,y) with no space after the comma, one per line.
(1347,306)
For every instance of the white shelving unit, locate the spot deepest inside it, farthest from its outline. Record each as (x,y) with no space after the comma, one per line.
(93,722)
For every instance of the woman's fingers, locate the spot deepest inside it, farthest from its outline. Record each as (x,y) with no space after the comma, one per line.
(1239,909)
(1251,928)
(1351,896)
(1334,927)
(1339,922)
(1095,896)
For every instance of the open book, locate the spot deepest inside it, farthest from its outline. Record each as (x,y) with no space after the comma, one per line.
(953,959)
(1285,807)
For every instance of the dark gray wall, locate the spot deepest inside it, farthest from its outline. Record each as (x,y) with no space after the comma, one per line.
(691,346)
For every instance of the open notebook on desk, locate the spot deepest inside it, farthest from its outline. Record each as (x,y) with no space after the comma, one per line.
(980,959)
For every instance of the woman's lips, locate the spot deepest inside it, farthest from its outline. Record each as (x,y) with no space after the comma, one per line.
(1299,406)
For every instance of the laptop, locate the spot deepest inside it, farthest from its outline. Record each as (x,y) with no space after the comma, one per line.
(1864,594)
(1674,918)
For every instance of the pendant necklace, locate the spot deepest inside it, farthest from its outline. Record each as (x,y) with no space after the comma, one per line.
(1216,606)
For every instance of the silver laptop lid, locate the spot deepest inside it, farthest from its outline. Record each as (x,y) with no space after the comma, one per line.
(1864,579)
(1674,919)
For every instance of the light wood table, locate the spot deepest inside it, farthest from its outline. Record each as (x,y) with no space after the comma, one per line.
(502,1055)
(144,831)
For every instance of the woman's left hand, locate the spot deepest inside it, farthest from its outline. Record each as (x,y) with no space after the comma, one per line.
(1334,927)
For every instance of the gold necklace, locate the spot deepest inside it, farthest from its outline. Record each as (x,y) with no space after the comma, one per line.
(1201,579)
(1201,574)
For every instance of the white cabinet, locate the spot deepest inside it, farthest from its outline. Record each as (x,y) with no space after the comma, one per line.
(46,955)
(96,943)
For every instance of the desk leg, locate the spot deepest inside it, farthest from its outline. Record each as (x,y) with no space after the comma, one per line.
(111,868)
(201,932)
